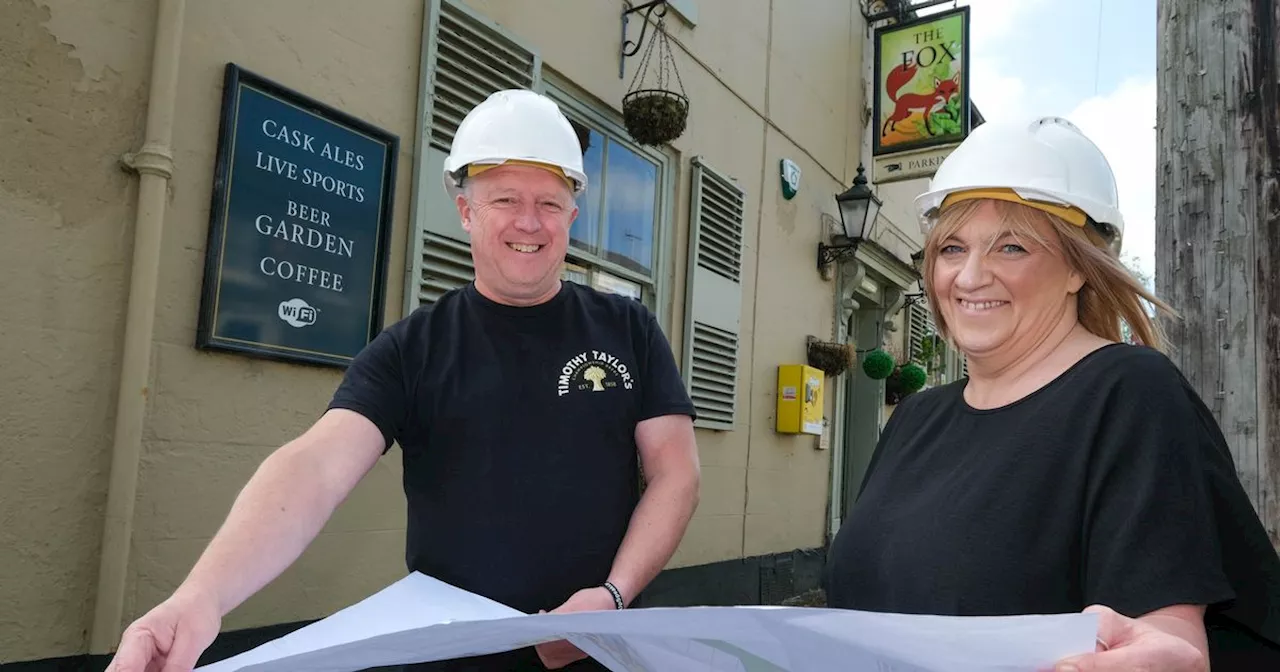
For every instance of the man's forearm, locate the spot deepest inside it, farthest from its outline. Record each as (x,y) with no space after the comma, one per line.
(657,525)
(277,514)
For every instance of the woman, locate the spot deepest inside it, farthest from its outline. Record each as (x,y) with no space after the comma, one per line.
(1070,470)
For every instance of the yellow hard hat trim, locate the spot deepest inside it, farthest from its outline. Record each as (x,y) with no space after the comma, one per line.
(477,168)
(1067,212)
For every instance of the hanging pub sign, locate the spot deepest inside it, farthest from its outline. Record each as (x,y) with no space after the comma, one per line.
(299,226)
(922,84)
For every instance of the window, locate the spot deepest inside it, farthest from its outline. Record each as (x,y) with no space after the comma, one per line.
(928,349)
(919,327)
(618,213)
(617,243)
(614,242)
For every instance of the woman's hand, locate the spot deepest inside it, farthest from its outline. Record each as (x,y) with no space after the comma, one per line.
(1161,641)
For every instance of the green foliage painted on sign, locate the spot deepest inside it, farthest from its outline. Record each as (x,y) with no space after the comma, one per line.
(943,122)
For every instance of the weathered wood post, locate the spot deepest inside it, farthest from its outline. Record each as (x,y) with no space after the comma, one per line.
(1218,220)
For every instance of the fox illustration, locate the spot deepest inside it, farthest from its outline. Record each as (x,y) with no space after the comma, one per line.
(904,105)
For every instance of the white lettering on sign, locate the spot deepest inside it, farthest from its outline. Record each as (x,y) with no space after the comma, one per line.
(274,129)
(309,177)
(300,273)
(305,236)
(308,213)
(295,138)
(345,157)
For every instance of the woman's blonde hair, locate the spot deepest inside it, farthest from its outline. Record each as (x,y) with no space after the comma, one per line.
(1110,297)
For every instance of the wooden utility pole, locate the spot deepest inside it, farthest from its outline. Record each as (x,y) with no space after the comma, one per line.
(1218,221)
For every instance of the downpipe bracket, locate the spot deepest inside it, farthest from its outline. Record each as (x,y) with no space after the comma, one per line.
(151,159)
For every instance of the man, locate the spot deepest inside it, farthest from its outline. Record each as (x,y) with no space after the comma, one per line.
(520,403)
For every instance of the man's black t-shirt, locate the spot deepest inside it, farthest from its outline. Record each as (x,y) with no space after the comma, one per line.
(1110,485)
(517,426)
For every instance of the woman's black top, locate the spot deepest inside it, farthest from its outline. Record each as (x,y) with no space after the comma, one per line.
(1110,485)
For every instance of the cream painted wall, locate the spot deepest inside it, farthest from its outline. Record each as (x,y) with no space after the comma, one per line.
(787,474)
(899,226)
(73,98)
(214,417)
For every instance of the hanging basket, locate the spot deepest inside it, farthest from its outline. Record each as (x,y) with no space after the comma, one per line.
(653,111)
(655,116)
(830,357)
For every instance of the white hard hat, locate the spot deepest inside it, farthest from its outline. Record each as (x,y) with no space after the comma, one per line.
(1046,163)
(516,126)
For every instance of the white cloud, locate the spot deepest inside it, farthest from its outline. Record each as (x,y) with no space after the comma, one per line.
(997,94)
(1123,125)
(989,20)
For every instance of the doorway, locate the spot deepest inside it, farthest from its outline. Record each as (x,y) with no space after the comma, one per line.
(863,403)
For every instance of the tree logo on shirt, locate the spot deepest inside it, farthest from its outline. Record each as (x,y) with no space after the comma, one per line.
(593,371)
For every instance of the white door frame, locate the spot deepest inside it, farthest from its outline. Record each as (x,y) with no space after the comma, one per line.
(869,280)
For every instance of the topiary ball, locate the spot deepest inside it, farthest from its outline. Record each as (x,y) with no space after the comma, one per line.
(913,377)
(878,365)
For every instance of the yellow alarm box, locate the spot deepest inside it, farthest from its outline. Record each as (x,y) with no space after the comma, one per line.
(800,399)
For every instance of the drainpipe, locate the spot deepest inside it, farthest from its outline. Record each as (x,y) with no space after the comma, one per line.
(154,165)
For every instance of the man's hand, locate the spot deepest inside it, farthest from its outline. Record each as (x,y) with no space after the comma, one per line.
(559,653)
(170,637)
(1135,645)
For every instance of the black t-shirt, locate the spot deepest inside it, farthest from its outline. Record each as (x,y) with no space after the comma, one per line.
(1110,485)
(517,426)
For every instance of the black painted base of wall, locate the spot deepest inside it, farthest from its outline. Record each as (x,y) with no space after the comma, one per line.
(767,579)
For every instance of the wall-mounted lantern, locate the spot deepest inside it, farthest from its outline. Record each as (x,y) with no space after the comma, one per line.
(858,210)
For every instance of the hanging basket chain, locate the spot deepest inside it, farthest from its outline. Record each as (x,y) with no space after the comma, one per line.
(656,115)
(669,59)
(643,68)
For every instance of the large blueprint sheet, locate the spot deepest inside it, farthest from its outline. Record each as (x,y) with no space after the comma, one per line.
(420,618)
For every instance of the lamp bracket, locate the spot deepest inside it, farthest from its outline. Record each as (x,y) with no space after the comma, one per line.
(630,48)
(913,298)
(828,254)
(900,10)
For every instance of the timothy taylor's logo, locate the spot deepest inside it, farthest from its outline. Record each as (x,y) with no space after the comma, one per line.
(297,313)
(593,371)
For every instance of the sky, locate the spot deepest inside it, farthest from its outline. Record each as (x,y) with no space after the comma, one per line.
(1091,61)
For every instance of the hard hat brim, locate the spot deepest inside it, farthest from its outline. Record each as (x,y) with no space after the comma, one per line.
(453,179)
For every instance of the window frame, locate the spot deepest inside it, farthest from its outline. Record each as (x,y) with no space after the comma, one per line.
(579,106)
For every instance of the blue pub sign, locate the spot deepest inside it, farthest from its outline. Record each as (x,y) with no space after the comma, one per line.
(300,221)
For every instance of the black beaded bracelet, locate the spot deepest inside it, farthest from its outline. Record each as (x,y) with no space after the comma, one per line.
(617,595)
